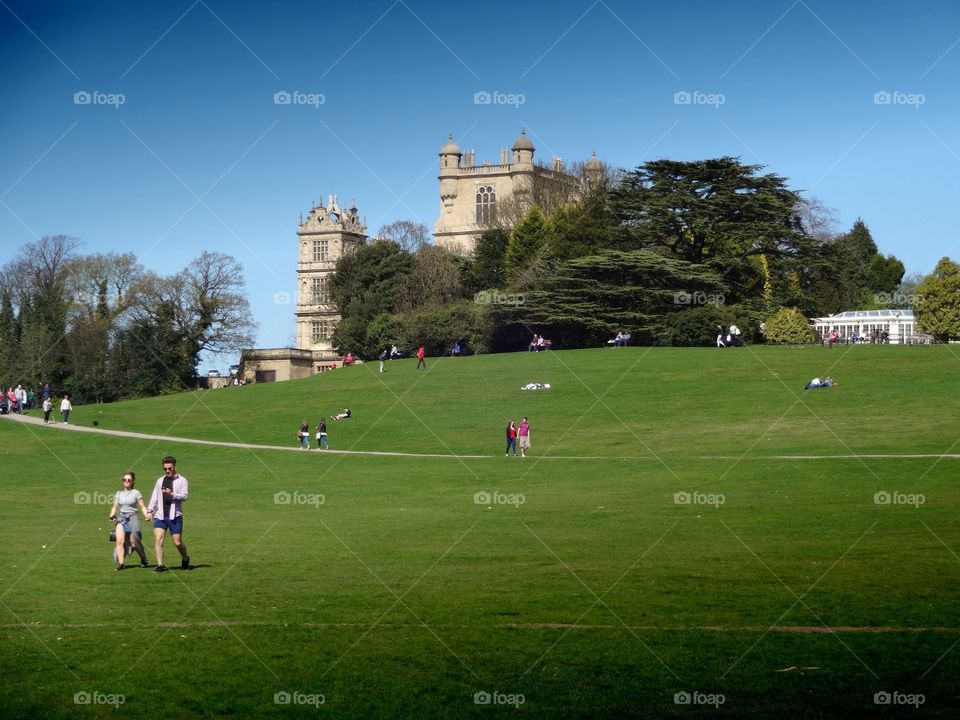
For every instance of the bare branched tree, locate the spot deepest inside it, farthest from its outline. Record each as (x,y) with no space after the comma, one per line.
(410,236)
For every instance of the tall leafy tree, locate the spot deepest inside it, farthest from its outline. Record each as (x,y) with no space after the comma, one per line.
(526,240)
(487,270)
(937,305)
(708,209)
(364,286)
(590,298)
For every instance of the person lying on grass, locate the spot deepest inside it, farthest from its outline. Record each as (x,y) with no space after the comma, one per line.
(818,383)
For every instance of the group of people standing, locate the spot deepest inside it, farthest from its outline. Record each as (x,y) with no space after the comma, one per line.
(517,433)
(164,510)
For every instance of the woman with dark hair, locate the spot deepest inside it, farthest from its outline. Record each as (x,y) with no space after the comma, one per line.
(124,513)
(511,439)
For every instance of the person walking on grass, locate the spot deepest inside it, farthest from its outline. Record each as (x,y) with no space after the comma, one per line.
(65,408)
(165,510)
(523,433)
(421,353)
(382,358)
(124,513)
(511,439)
(322,443)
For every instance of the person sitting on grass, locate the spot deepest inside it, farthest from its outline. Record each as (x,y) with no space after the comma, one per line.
(342,416)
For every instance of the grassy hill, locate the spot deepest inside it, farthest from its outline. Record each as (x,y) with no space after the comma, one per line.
(652,544)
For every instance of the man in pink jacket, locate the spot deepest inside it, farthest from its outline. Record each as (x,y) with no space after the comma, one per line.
(165,512)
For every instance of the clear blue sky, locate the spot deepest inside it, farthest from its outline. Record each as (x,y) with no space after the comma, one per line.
(199,157)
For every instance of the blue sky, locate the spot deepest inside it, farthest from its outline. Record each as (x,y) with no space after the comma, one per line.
(199,156)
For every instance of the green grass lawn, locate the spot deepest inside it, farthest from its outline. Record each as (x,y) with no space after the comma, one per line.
(582,584)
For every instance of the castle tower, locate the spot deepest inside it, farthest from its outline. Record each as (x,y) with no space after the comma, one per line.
(327,234)
(593,169)
(469,193)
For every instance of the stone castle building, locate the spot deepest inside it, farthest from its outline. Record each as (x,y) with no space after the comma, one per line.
(327,234)
(469,193)
(324,237)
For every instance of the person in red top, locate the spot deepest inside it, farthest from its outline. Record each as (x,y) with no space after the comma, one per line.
(420,355)
(523,432)
(511,439)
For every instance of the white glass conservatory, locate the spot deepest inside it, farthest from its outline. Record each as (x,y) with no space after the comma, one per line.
(872,326)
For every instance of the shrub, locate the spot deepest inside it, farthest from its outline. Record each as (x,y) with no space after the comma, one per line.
(437,328)
(790,327)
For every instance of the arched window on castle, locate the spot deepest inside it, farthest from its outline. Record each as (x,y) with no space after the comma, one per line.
(486,204)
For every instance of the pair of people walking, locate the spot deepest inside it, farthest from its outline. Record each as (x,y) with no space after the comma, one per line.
(518,432)
(303,434)
(164,510)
